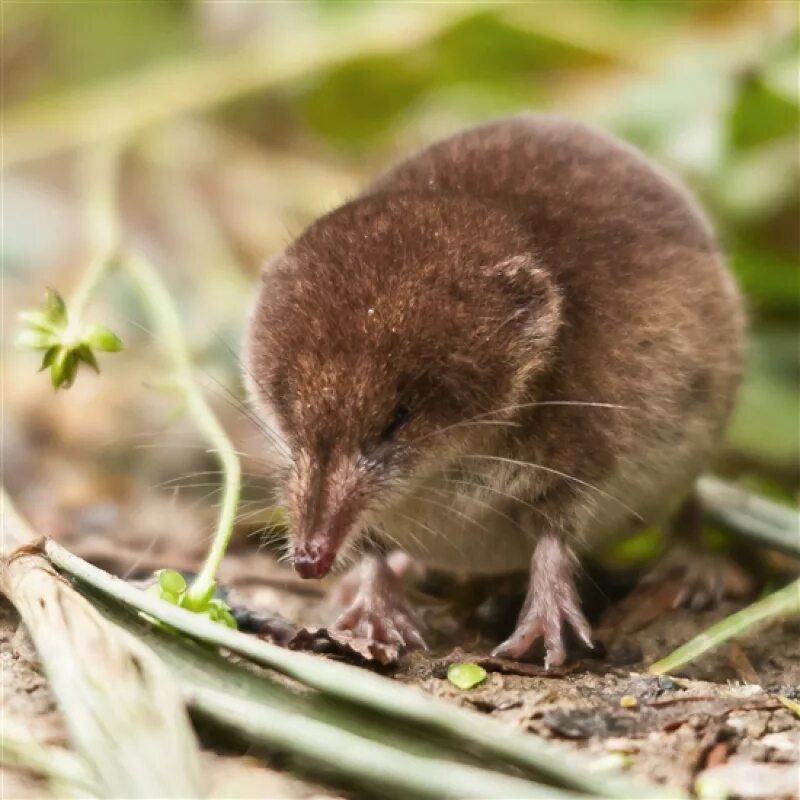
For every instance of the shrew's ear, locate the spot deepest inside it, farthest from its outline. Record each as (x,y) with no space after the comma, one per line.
(536,300)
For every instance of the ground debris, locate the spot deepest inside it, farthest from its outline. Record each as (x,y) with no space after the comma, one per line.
(343,644)
(744,779)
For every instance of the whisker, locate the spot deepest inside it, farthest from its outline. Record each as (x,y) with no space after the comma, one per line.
(493,509)
(231,398)
(494,490)
(455,511)
(556,472)
(519,406)
(237,403)
(414,521)
(257,479)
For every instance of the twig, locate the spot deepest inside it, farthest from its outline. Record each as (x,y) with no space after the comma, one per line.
(781,603)
(753,517)
(123,711)
(380,695)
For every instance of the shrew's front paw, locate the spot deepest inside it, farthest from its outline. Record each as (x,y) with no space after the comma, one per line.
(379,611)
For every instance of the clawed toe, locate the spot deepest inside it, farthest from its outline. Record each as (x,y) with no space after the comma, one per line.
(552,602)
(379,611)
(381,625)
(535,626)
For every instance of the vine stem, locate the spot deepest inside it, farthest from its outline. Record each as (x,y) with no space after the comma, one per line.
(100,171)
(165,319)
(99,179)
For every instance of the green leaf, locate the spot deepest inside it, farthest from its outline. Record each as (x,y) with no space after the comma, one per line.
(102,339)
(172,581)
(761,115)
(169,597)
(85,354)
(35,340)
(466,676)
(56,308)
(37,320)
(49,357)
(62,368)
(70,369)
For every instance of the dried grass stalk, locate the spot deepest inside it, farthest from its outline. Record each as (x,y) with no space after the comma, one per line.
(65,772)
(122,708)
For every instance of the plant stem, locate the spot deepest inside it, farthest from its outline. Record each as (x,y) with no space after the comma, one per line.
(382,767)
(99,172)
(166,321)
(381,696)
(784,602)
(100,168)
(753,517)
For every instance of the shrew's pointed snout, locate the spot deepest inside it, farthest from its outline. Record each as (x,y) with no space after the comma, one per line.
(324,506)
(314,558)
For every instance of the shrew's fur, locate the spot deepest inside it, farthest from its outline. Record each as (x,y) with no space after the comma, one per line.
(524,329)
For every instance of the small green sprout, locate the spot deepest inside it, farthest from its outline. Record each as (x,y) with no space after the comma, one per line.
(172,588)
(66,342)
(466,676)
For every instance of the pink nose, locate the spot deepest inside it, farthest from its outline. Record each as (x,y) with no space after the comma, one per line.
(313,559)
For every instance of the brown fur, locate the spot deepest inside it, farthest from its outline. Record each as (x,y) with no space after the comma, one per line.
(527,260)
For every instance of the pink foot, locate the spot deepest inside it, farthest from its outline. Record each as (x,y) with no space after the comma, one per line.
(551,601)
(703,579)
(379,610)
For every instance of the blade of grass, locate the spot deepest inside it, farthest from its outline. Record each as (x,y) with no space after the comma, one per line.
(781,603)
(756,518)
(123,711)
(340,742)
(380,695)
(385,769)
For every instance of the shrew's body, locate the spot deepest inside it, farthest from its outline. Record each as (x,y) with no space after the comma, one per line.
(513,346)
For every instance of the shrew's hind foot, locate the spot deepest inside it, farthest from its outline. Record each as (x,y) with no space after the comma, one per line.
(552,600)
(702,578)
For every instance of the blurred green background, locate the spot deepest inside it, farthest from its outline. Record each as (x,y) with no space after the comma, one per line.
(247,119)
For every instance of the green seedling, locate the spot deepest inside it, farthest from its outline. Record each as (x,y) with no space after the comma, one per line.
(65,341)
(171,587)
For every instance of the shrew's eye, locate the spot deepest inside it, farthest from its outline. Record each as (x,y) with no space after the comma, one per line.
(400,416)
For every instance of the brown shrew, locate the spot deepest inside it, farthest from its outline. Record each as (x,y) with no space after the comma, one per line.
(511,348)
